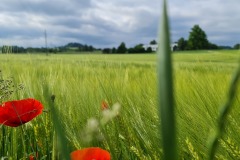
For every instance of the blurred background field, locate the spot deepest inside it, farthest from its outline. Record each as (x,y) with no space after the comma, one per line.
(81,82)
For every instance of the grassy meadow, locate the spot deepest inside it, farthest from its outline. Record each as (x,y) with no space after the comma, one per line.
(128,83)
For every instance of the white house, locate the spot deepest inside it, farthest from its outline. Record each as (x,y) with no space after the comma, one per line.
(154,47)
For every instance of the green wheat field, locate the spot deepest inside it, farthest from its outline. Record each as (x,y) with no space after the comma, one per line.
(128,83)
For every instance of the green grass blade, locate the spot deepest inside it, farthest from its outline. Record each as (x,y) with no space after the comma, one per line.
(166,98)
(59,129)
(224,110)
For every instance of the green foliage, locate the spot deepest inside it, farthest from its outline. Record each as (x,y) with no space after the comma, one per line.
(137,49)
(212,46)
(7,49)
(236,46)
(13,49)
(153,42)
(182,44)
(107,50)
(197,39)
(149,50)
(79,47)
(122,48)
(114,50)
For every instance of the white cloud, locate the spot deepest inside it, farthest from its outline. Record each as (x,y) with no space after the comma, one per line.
(106,23)
(218,19)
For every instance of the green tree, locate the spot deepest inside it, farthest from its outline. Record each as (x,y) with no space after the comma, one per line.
(236,46)
(106,50)
(114,50)
(182,44)
(85,48)
(153,42)
(197,39)
(137,49)
(149,50)
(90,48)
(122,48)
(212,46)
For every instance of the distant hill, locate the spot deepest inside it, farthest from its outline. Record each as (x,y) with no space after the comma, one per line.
(74,45)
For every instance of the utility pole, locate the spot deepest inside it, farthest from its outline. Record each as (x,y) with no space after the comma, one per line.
(45,33)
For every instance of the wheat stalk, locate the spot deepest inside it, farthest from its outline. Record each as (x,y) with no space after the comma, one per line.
(224,110)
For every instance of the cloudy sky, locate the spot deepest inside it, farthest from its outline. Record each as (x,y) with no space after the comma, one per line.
(106,23)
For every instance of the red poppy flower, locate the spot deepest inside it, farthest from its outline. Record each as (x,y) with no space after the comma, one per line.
(104,105)
(31,157)
(16,113)
(93,153)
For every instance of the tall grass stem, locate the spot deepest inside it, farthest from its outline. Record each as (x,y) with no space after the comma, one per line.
(59,129)
(166,99)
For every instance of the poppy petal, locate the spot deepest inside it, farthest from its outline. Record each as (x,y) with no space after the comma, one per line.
(90,154)
(16,113)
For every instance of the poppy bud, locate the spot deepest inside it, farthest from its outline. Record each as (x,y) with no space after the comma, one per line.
(104,105)
(53,97)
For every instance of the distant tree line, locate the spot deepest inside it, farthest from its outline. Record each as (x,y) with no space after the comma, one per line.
(72,47)
(121,49)
(197,40)
(79,47)
(13,49)
(236,46)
